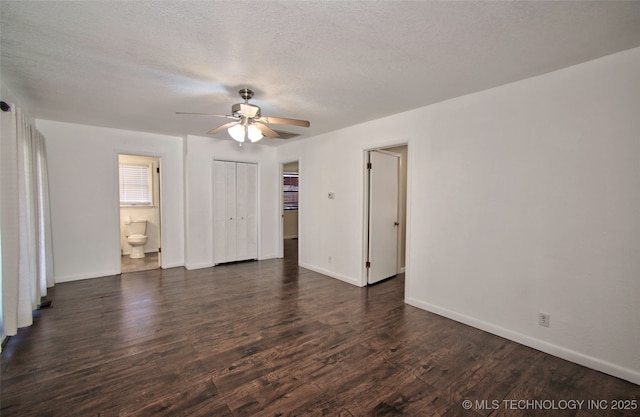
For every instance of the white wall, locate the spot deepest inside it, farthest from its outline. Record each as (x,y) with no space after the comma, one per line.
(83,164)
(334,228)
(200,153)
(522,198)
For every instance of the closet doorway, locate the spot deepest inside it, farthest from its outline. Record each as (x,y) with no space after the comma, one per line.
(235,211)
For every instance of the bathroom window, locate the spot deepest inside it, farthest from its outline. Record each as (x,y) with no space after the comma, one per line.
(135,185)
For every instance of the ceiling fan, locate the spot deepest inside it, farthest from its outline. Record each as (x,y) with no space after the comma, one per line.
(248,122)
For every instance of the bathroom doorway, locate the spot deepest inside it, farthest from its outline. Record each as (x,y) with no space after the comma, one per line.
(139,205)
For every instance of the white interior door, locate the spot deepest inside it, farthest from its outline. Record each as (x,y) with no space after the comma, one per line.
(251,210)
(383,216)
(247,230)
(231,227)
(224,211)
(242,197)
(220,215)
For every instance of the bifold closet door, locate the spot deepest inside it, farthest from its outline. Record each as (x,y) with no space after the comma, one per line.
(235,201)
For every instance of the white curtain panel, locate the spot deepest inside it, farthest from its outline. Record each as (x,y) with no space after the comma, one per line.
(27,261)
(9,215)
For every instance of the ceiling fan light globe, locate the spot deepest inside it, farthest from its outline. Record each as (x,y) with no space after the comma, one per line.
(254,133)
(237,132)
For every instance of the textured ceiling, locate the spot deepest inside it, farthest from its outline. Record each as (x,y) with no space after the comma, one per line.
(132,65)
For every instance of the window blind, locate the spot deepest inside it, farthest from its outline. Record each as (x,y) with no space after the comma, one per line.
(135,185)
(290,188)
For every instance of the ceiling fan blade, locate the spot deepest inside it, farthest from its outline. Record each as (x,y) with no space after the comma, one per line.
(283,134)
(266,130)
(285,121)
(221,128)
(209,114)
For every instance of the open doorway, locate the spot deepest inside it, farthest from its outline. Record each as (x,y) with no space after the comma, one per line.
(139,206)
(290,206)
(385,219)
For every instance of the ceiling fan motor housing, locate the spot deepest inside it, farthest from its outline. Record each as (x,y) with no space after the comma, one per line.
(237,110)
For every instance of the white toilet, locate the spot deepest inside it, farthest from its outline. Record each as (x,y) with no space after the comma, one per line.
(136,238)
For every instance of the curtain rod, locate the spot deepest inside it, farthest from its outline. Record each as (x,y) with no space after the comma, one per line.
(4,106)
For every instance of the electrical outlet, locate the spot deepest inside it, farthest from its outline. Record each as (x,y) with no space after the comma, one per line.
(329,259)
(543,319)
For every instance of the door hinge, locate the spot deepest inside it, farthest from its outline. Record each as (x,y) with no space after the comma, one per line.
(158,170)
(159,250)
(369,165)
(368,264)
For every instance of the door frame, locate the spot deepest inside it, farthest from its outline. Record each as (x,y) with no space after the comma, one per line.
(160,205)
(281,206)
(368,210)
(365,215)
(212,229)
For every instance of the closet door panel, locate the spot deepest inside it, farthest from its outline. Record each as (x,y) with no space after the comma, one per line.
(231,212)
(219,212)
(242,210)
(251,213)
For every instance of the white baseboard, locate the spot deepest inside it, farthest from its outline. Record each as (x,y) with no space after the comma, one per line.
(172,265)
(89,275)
(541,345)
(331,274)
(128,252)
(200,265)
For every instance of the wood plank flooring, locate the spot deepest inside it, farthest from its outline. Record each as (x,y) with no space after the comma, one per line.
(269,338)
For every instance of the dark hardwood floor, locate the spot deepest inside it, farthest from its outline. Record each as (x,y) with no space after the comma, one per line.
(270,338)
